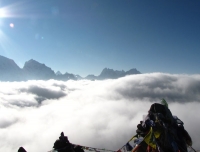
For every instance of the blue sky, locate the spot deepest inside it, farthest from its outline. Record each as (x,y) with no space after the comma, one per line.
(85,36)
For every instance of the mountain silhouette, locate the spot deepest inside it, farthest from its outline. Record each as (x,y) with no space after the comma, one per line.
(34,70)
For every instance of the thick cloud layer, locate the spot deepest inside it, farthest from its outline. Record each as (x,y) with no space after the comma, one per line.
(102,114)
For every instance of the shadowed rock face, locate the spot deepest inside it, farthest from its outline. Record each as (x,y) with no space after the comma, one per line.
(114,74)
(8,64)
(9,70)
(110,73)
(37,71)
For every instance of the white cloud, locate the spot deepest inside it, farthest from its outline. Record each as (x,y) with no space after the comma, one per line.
(102,114)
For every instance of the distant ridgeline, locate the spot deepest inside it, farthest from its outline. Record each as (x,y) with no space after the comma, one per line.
(33,70)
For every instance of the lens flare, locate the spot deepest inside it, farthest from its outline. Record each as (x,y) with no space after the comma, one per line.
(12,25)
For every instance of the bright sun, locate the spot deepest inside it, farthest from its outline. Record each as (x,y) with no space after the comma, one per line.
(2,13)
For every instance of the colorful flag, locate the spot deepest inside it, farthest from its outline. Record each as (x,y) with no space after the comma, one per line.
(150,139)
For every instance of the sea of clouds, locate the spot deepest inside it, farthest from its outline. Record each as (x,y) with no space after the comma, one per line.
(101,114)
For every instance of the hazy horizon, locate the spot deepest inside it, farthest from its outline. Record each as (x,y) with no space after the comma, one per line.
(66,70)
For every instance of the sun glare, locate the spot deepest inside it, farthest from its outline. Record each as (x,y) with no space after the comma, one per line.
(2,12)
(10,11)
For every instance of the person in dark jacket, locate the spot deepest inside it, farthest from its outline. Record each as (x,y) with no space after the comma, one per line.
(163,110)
(62,144)
(157,112)
(173,136)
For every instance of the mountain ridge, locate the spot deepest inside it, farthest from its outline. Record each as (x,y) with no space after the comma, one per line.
(34,70)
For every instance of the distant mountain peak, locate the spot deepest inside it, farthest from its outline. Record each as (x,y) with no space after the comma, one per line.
(34,70)
(4,62)
(9,70)
(58,73)
(133,71)
(32,62)
(114,74)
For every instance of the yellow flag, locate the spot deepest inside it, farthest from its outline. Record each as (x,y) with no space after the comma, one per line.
(150,138)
